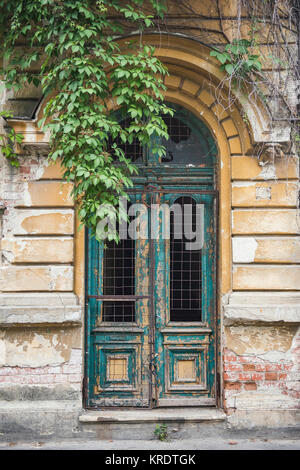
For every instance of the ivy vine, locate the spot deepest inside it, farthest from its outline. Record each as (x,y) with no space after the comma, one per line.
(237,59)
(8,142)
(83,71)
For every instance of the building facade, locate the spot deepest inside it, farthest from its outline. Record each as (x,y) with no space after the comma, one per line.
(88,335)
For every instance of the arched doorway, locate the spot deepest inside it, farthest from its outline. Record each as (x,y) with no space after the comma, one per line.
(151,299)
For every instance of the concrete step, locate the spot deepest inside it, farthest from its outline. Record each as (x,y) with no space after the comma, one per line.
(172,415)
(141,423)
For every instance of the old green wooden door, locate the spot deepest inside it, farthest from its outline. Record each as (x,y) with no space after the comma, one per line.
(185,305)
(151,303)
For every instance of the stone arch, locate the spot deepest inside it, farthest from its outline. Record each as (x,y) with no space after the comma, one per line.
(190,60)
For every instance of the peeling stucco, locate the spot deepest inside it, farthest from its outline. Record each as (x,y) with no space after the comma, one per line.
(26,196)
(37,348)
(260,339)
(268,172)
(263,192)
(243,249)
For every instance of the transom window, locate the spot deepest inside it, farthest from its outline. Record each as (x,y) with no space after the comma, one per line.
(190,143)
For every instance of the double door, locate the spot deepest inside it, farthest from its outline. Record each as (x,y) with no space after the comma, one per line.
(151,311)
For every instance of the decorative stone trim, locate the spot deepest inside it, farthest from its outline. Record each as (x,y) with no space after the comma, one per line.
(39,309)
(271,151)
(262,307)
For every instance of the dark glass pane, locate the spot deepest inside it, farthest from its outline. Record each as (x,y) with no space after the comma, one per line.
(118,269)
(185,271)
(118,311)
(185,146)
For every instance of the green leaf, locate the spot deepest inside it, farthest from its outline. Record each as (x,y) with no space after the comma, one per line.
(229,68)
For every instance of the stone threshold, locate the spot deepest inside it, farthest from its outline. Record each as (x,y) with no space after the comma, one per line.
(136,415)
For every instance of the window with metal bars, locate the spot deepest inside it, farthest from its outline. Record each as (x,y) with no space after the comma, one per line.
(184,145)
(185,270)
(119,280)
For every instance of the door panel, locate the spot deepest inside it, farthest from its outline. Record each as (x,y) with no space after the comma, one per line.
(118,306)
(185,347)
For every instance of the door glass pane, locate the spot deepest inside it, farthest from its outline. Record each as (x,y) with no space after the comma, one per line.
(118,311)
(185,269)
(118,280)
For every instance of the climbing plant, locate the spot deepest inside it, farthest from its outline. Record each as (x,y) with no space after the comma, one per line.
(71,48)
(8,141)
(242,68)
(237,59)
(82,69)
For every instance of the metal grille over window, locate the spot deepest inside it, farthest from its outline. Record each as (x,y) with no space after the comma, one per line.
(185,269)
(118,280)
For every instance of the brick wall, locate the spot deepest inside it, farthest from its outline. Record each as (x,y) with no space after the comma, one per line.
(272,383)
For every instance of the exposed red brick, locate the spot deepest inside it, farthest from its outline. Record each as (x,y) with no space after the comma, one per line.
(250,386)
(229,357)
(230,376)
(250,376)
(249,366)
(24,169)
(282,376)
(260,367)
(245,377)
(233,367)
(257,376)
(251,360)
(233,385)
(271,376)
(273,367)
